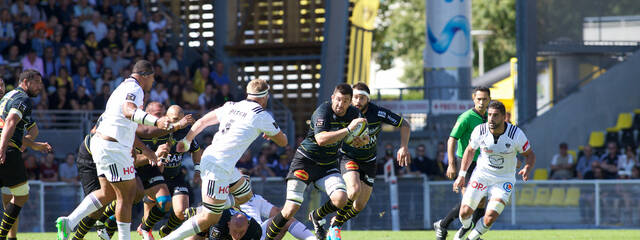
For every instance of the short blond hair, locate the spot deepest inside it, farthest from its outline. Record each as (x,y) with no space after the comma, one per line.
(257,87)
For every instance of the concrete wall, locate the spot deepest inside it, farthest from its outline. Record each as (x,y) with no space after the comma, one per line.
(593,108)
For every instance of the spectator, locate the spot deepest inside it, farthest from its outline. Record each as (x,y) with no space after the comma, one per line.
(167,63)
(22,22)
(159,21)
(109,42)
(206,99)
(80,100)
(51,9)
(205,61)
(609,161)
(128,51)
(626,162)
(262,168)
(120,24)
(48,27)
(37,12)
(175,95)
(562,164)
(218,76)
(201,78)
(73,42)
(40,42)
(105,9)
(182,63)
(132,11)
(91,44)
(146,44)
(635,172)
(137,28)
(223,96)
(23,43)
(96,65)
(59,99)
(190,96)
(49,62)
(69,170)
(49,169)
(245,161)
(63,61)
(77,24)
(160,94)
(586,161)
(83,79)
(19,7)
(32,61)
(100,101)
(64,80)
(115,61)
(419,163)
(161,42)
(107,77)
(281,168)
(83,11)
(13,59)
(31,167)
(7,33)
(441,159)
(79,59)
(96,26)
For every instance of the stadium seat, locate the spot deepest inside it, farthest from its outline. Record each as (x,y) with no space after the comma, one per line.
(624,121)
(525,198)
(542,196)
(557,197)
(574,155)
(541,174)
(612,135)
(596,139)
(573,197)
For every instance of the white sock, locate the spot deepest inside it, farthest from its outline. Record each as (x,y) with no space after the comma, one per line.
(188,228)
(124,231)
(300,231)
(478,230)
(231,201)
(466,222)
(88,205)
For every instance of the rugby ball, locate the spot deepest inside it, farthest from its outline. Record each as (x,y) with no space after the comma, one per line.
(360,130)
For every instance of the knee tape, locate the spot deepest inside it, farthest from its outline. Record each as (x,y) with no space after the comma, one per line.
(295,191)
(22,190)
(214,208)
(243,190)
(495,206)
(6,191)
(162,201)
(332,183)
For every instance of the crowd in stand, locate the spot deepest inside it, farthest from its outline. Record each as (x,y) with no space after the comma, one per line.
(613,163)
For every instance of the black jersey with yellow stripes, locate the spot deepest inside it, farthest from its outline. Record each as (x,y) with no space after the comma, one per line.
(325,120)
(375,116)
(17,101)
(174,159)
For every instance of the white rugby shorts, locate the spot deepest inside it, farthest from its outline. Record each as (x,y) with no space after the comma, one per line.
(113,160)
(216,181)
(481,185)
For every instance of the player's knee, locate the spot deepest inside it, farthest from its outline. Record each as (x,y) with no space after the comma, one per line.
(242,193)
(289,210)
(339,199)
(164,203)
(353,190)
(295,192)
(465,211)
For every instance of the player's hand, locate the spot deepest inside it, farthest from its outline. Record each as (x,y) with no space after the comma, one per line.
(266,137)
(525,173)
(161,153)
(457,185)
(355,122)
(185,121)
(42,147)
(359,141)
(183,145)
(151,156)
(404,157)
(163,123)
(196,178)
(451,171)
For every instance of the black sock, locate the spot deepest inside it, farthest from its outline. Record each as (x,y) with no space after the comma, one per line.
(109,211)
(275,226)
(325,210)
(83,228)
(452,215)
(173,223)
(479,213)
(8,219)
(15,238)
(190,212)
(111,225)
(202,234)
(341,215)
(155,215)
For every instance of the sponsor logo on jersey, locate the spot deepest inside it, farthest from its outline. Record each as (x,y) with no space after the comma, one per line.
(131,97)
(301,174)
(496,161)
(507,186)
(129,170)
(352,166)
(477,185)
(179,190)
(382,114)
(525,147)
(223,190)
(369,179)
(22,107)
(507,145)
(487,150)
(319,122)
(156,179)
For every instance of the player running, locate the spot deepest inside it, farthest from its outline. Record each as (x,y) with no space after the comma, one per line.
(240,124)
(358,165)
(316,161)
(461,133)
(494,177)
(111,149)
(15,120)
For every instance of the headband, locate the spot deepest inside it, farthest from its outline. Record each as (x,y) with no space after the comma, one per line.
(145,73)
(358,91)
(260,94)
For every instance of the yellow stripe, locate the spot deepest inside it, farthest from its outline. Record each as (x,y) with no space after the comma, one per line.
(9,216)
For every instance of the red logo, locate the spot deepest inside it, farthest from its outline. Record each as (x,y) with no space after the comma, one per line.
(1,123)
(223,190)
(129,170)
(478,186)
(525,146)
(301,174)
(351,165)
(487,150)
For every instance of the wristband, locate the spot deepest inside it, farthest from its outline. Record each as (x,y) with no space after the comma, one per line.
(196,167)
(348,130)
(462,173)
(187,144)
(144,118)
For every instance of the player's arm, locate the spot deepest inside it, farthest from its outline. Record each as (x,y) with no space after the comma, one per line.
(137,115)
(271,130)
(147,156)
(467,158)
(403,155)
(330,137)
(207,120)
(530,161)
(28,141)
(8,129)
(456,133)
(153,132)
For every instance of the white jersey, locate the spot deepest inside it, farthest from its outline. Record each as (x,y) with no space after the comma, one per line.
(258,208)
(240,124)
(498,158)
(114,124)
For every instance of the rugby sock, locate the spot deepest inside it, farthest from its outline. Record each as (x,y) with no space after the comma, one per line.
(188,228)
(83,228)
(124,231)
(300,231)
(111,225)
(277,223)
(325,210)
(109,211)
(155,215)
(466,223)
(478,214)
(15,238)
(452,215)
(88,205)
(341,215)
(202,234)
(478,230)
(8,219)
(173,223)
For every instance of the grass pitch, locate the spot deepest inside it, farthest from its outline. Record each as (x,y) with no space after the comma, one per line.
(424,235)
